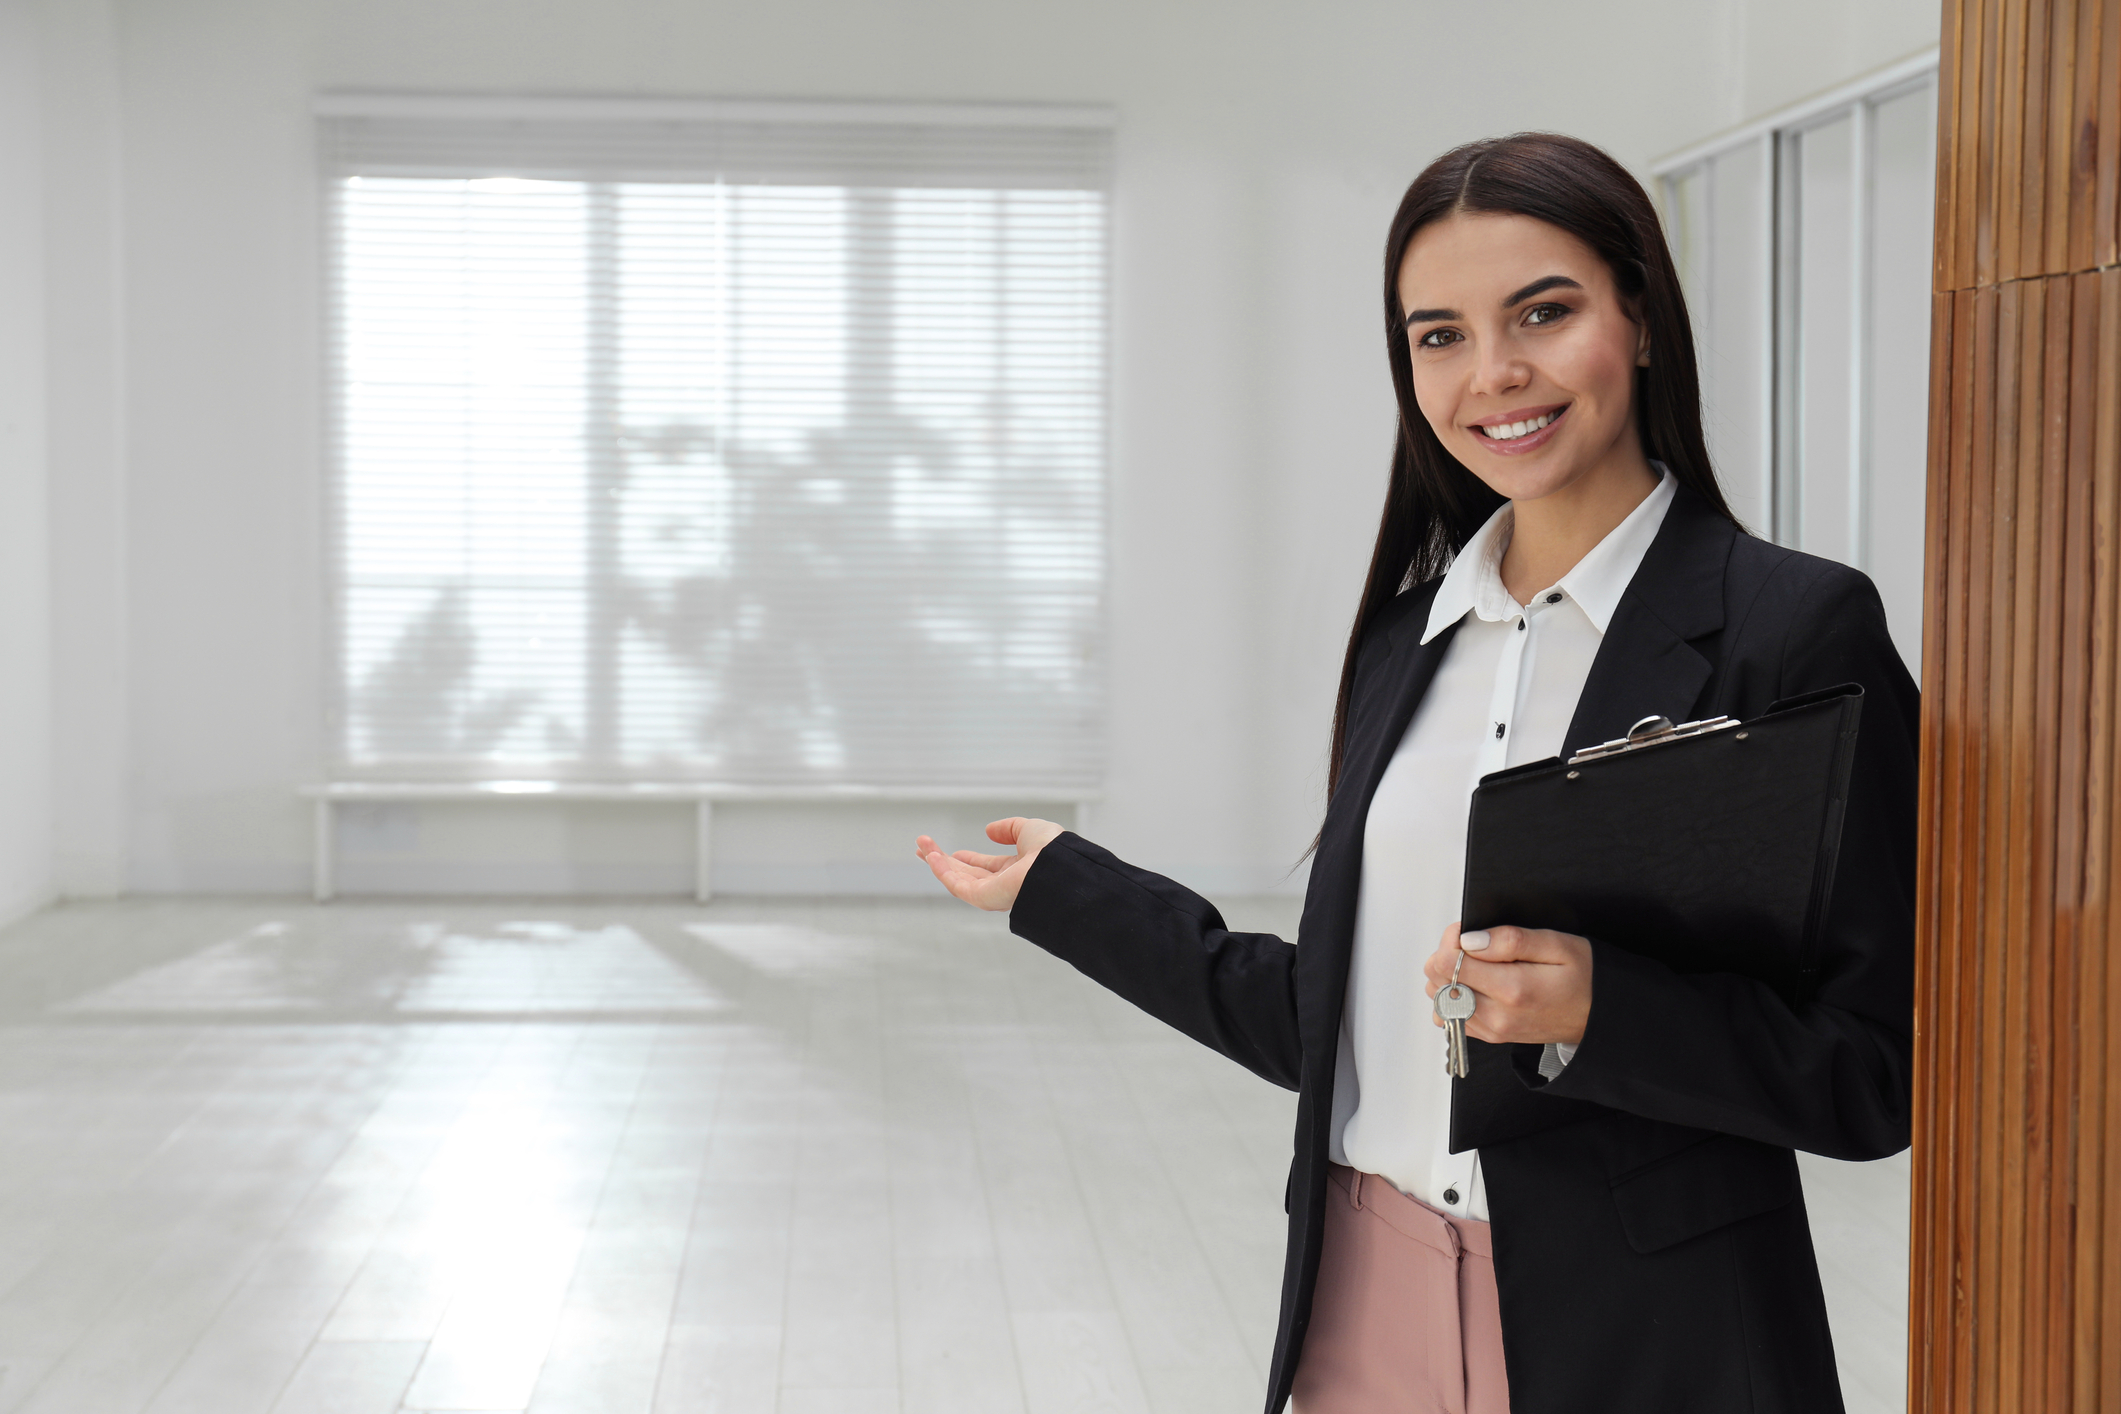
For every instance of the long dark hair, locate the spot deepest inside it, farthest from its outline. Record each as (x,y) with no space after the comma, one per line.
(1434,504)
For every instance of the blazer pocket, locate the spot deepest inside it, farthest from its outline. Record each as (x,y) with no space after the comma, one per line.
(1704,1186)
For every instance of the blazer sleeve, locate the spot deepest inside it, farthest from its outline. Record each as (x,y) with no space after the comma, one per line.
(1165,949)
(1833,1074)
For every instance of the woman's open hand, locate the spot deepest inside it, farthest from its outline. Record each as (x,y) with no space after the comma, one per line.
(990,881)
(1532,984)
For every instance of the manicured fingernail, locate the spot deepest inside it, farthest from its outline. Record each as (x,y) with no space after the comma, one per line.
(1475,941)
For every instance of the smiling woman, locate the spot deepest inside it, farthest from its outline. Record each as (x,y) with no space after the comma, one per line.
(1555,562)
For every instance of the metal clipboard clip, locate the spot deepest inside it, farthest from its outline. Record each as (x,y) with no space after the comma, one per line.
(1653,731)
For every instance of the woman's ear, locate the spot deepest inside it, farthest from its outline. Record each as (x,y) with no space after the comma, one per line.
(1642,330)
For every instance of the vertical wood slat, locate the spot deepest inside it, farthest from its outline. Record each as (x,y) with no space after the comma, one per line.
(2025,850)
(1944,241)
(2030,242)
(2078,164)
(1977,329)
(1996,507)
(1987,81)
(1935,1309)
(1974,1013)
(2106,249)
(2050,824)
(2087,665)
(2012,79)
(2099,1207)
(2061,107)
(2015,1285)
(1958,119)
(1936,984)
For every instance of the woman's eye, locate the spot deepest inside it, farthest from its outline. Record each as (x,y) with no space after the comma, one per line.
(1438,338)
(1545,313)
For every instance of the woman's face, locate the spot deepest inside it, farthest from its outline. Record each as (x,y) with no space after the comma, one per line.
(1524,353)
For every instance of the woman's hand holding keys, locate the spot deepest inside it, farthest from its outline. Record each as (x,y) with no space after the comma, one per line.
(1534,984)
(990,881)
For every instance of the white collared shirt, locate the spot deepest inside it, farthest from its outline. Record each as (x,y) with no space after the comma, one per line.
(1503,695)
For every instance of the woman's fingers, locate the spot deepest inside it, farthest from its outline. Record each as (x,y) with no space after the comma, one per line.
(1531,983)
(1505,982)
(1521,945)
(1503,946)
(1029,835)
(977,887)
(992,863)
(989,881)
(945,869)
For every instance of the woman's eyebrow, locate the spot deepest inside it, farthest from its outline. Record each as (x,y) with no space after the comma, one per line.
(1540,287)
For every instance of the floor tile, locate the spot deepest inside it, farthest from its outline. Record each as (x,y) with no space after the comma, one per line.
(351,1377)
(1078,1363)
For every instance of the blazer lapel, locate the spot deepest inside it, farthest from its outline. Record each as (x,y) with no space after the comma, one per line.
(1385,713)
(1648,664)
(1377,720)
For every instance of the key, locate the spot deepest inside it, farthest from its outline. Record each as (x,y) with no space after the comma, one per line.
(1454,1007)
(1454,1004)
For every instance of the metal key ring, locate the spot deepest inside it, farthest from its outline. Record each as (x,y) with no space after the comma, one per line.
(1458,964)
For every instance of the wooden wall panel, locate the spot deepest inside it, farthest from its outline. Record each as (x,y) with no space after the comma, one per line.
(2014,1243)
(2016,1282)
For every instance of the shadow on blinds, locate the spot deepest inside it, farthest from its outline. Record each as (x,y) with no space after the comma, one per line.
(747,481)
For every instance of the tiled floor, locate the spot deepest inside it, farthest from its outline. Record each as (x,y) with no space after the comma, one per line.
(783,1157)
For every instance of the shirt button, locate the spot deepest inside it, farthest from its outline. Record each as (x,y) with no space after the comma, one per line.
(1520,625)
(1553,598)
(1450,1196)
(1498,731)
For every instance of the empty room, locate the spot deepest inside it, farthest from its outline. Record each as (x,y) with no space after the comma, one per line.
(712,707)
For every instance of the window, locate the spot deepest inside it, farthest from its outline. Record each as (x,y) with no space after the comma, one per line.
(752,443)
(1804,244)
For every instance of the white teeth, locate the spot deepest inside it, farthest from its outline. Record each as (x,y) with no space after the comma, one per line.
(1511,431)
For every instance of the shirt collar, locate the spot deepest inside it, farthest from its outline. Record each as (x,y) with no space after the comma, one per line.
(1473,584)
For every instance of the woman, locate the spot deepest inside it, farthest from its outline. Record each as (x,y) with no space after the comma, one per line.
(1555,562)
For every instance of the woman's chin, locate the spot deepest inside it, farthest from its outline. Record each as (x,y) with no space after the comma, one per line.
(1529,478)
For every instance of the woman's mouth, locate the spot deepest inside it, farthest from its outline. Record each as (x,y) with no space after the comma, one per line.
(1523,434)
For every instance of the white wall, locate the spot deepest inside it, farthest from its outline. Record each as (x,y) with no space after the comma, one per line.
(1262,148)
(25,672)
(1784,50)
(85,437)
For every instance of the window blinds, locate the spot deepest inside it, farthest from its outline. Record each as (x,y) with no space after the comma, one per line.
(744,443)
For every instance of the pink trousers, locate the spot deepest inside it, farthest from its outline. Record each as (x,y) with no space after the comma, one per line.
(1405,1319)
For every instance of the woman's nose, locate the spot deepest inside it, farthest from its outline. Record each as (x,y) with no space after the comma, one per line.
(1500,371)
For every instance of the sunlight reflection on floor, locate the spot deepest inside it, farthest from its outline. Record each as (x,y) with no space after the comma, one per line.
(649,1157)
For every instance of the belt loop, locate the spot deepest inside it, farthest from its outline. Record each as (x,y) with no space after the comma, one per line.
(1355,1190)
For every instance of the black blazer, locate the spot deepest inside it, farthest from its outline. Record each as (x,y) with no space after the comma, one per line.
(1654,1257)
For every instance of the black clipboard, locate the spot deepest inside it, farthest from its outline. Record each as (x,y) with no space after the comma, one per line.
(1708,846)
